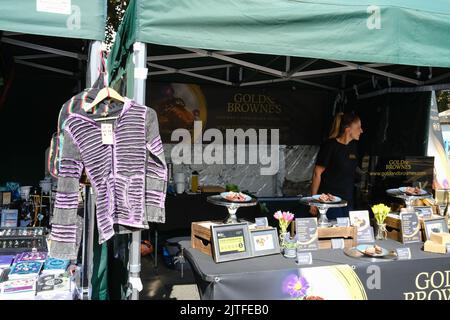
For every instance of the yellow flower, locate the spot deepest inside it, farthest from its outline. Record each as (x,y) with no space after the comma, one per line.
(380,212)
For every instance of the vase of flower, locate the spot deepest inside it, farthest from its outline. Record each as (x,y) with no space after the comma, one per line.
(290,251)
(283,235)
(284,219)
(380,211)
(381,231)
(290,247)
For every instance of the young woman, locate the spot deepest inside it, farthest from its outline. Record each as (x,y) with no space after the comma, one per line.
(336,163)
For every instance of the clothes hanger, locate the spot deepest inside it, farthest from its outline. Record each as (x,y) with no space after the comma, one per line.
(104,119)
(105,92)
(102,95)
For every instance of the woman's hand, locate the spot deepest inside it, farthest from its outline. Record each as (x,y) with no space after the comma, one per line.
(313,211)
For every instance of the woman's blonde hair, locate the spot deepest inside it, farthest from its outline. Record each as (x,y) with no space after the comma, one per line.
(340,122)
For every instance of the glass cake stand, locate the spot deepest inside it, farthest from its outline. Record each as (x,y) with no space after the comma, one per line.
(323,208)
(231,206)
(407,198)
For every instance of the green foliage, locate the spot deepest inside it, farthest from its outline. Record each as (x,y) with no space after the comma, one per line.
(116,10)
(443,100)
(263,208)
(232,187)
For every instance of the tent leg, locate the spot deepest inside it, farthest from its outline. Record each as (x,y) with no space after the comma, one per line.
(135,264)
(90,240)
(89,206)
(140,74)
(156,247)
(84,258)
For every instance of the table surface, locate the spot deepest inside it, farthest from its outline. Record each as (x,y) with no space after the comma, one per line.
(205,266)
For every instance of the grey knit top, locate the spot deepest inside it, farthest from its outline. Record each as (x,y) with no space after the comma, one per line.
(129,176)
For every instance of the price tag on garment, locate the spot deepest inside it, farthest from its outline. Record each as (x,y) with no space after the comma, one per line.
(403,253)
(303,258)
(107,133)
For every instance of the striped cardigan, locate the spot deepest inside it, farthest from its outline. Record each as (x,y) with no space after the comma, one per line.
(129,177)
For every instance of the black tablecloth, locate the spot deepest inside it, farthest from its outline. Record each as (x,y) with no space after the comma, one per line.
(183,209)
(263,277)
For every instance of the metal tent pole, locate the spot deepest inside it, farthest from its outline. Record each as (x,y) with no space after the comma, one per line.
(87,242)
(140,76)
(85,277)
(90,239)
(92,73)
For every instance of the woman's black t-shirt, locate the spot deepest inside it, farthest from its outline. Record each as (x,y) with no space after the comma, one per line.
(340,162)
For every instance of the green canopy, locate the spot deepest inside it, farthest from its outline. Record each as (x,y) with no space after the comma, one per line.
(411,32)
(79,19)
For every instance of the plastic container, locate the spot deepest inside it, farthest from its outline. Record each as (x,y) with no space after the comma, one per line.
(194,181)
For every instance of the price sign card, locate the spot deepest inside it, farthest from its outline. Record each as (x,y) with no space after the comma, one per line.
(410,227)
(303,258)
(403,253)
(360,219)
(307,234)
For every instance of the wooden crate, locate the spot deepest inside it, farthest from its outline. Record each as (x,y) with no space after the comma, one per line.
(394,227)
(201,236)
(348,233)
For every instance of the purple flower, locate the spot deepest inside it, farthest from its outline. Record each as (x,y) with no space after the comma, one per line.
(295,286)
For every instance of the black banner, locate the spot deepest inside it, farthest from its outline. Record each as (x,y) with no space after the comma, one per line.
(394,172)
(424,279)
(300,115)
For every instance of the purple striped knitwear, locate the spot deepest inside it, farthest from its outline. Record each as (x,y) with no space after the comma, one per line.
(129,177)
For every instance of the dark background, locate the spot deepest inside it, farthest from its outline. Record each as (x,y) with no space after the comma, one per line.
(301,115)
(394,124)
(27,122)
(29,116)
